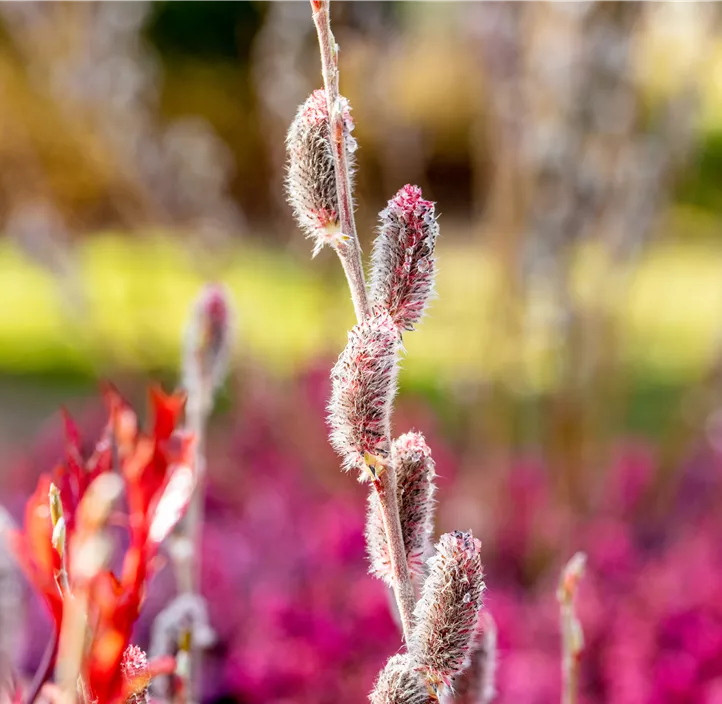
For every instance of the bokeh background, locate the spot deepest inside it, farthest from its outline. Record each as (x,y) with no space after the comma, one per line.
(568,378)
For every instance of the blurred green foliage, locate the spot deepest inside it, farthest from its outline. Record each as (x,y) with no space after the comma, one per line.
(135,294)
(204,30)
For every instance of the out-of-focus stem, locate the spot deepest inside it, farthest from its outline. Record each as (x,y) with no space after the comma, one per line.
(349,251)
(572,635)
(71,644)
(385,487)
(42,674)
(187,552)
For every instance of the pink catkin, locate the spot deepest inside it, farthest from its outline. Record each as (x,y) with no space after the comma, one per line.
(447,614)
(310,175)
(414,468)
(403,267)
(477,683)
(208,340)
(400,682)
(134,667)
(363,385)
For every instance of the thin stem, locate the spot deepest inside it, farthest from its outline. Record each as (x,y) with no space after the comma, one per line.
(188,547)
(572,635)
(349,251)
(570,659)
(385,487)
(42,674)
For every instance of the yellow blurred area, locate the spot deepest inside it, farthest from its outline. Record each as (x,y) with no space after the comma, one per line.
(135,294)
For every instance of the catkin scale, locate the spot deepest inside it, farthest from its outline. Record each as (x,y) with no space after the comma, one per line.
(414,469)
(403,267)
(310,174)
(447,614)
(400,682)
(363,385)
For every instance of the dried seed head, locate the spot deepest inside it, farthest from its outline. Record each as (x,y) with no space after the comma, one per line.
(363,385)
(134,667)
(403,267)
(414,467)
(207,343)
(310,176)
(477,683)
(447,614)
(400,682)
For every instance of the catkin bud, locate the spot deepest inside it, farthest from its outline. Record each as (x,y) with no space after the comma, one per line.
(207,343)
(363,385)
(56,505)
(403,267)
(414,467)
(136,674)
(477,683)
(311,176)
(447,614)
(400,682)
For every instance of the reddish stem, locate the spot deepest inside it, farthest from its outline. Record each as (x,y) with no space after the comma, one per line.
(349,251)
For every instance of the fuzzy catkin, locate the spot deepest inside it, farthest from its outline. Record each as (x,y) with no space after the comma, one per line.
(403,267)
(400,682)
(134,667)
(447,614)
(414,468)
(207,343)
(311,175)
(477,683)
(363,385)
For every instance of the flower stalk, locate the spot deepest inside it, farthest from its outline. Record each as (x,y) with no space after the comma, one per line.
(205,364)
(348,249)
(349,252)
(385,488)
(572,634)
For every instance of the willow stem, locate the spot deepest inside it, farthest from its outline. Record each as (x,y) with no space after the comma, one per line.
(385,487)
(349,251)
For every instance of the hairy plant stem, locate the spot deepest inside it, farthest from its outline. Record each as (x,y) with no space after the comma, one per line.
(349,252)
(385,487)
(188,541)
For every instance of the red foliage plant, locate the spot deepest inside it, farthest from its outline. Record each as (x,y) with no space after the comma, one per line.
(65,545)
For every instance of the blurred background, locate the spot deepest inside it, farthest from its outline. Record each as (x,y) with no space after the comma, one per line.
(568,378)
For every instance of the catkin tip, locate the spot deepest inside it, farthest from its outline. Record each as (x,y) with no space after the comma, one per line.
(403,267)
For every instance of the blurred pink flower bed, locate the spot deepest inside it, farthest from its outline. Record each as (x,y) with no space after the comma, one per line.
(298,618)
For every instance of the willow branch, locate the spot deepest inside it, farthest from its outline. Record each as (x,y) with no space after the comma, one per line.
(349,250)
